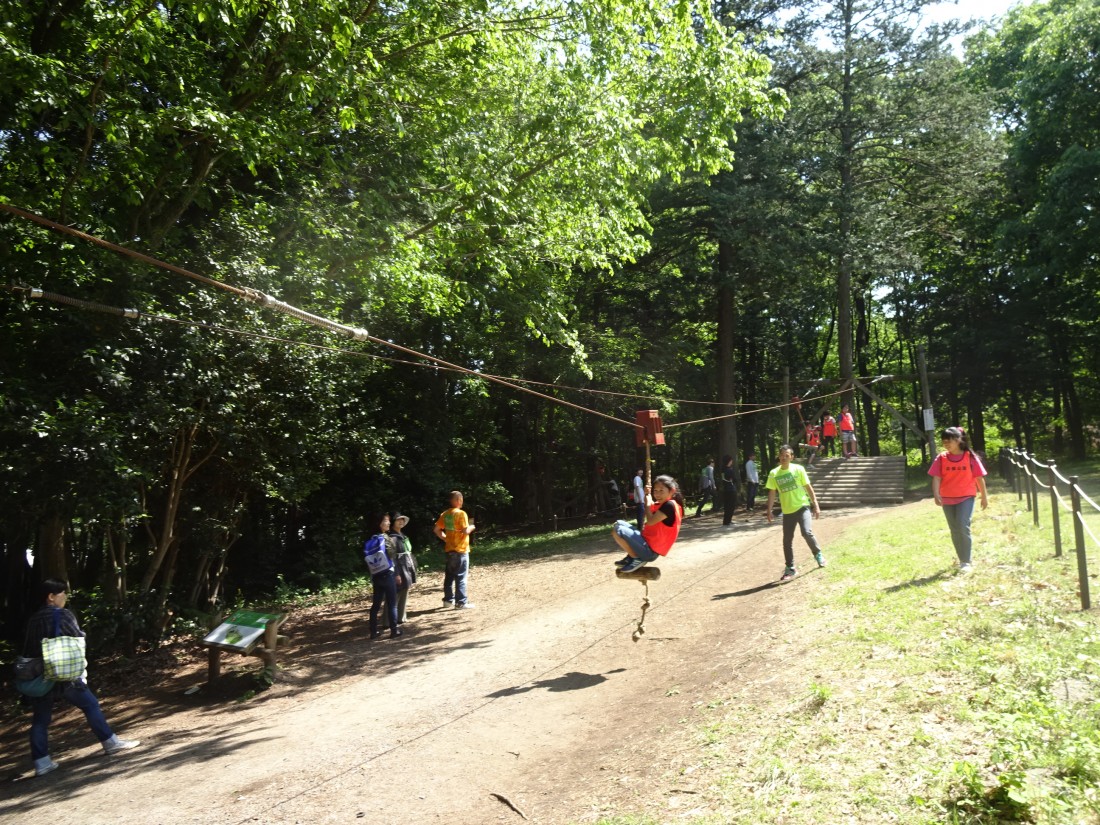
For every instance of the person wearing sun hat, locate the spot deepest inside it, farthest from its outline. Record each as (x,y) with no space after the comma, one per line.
(404,563)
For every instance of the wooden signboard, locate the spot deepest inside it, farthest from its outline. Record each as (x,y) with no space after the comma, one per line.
(243,632)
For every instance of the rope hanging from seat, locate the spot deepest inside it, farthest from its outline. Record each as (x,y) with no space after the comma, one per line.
(639,631)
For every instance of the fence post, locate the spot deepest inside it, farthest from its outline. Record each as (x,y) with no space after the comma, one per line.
(1079,537)
(1054,514)
(1025,480)
(1033,483)
(1016,485)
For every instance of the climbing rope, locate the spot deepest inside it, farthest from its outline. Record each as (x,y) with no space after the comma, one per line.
(639,631)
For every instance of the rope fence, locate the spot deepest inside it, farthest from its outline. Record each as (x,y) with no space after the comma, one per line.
(1028,475)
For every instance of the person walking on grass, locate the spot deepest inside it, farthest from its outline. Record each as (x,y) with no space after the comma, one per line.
(49,621)
(454,528)
(958,476)
(798,501)
(664,514)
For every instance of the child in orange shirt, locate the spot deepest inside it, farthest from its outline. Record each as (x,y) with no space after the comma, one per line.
(454,528)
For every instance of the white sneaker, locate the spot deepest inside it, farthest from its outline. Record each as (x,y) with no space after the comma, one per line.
(116,745)
(44,765)
(465,606)
(965,568)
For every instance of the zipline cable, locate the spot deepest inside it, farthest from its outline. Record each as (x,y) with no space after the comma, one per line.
(357,333)
(438,363)
(753,412)
(133,314)
(263,299)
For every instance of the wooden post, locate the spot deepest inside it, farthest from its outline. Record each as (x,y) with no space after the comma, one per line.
(926,395)
(213,665)
(1079,537)
(1025,483)
(786,407)
(267,652)
(1017,485)
(648,468)
(1034,483)
(1054,514)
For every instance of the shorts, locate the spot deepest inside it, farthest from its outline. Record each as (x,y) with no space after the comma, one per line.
(847,435)
(633,536)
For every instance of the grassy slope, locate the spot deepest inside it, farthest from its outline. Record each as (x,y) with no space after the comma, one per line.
(928,697)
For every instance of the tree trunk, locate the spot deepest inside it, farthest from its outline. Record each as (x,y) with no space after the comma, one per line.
(727,322)
(1059,430)
(870,434)
(847,187)
(50,557)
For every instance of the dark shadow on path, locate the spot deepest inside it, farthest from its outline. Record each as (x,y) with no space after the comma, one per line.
(759,588)
(559,684)
(922,582)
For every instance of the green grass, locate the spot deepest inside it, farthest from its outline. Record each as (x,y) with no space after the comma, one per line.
(927,696)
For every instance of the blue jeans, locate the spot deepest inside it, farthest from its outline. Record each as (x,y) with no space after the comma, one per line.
(454,578)
(385,589)
(958,519)
(77,695)
(625,530)
(639,510)
(804,520)
(750,493)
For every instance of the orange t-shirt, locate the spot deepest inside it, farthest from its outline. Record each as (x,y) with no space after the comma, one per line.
(454,523)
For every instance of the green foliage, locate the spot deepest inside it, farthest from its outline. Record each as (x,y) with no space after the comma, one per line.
(598,195)
(437,172)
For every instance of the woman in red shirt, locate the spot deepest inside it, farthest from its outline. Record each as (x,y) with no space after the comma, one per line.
(957,478)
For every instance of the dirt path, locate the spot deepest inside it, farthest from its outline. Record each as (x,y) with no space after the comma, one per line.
(539,696)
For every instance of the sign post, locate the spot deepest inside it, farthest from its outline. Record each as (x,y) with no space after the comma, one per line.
(243,632)
(926,394)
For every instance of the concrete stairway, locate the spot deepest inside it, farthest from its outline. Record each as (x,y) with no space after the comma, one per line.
(859,480)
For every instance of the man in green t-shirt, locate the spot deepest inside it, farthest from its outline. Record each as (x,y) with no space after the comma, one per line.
(796,498)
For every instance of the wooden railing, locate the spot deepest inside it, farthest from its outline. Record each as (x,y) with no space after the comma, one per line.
(1028,477)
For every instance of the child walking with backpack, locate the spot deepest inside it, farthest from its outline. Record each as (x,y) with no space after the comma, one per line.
(379,556)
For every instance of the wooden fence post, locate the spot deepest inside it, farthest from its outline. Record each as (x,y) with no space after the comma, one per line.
(1025,481)
(1017,484)
(1033,483)
(1079,536)
(1054,514)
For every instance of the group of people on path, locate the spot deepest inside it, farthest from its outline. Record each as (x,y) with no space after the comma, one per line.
(392,566)
(730,484)
(958,479)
